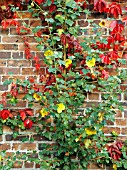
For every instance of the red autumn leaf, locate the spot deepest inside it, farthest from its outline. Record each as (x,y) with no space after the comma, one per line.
(52,8)
(31,80)
(39,33)
(29,112)
(4,24)
(22,115)
(105,59)
(22,30)
(4,114)
(105,74)
(124,20)
(39,1)
(37,65)
(28,123)
(114,9)
(100,6)
(113,55)
(36,59)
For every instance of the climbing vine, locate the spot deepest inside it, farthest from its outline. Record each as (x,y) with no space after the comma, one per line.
(74,69)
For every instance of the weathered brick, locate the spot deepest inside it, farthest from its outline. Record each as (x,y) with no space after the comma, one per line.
(108,130)
(7,129)
(34,23)
(17,164)
(11,70)
(28,146)
(5,55)
(32,71)
(22,78)
(19,63)
(93,96)
(15,146)
(5,146)
(124,131)
(3,88)
(17,55)
(121,122)
(32,47)
(83,23)
(29,164)
(8,47)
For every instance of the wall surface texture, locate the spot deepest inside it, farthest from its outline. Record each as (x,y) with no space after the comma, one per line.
(12,60)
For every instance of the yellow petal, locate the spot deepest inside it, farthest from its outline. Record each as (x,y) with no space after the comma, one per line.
(102,23)
(114,166)
(91,62)
(100,116)
(90,131)
(48,53)
(43,112)
(36,97)
(67,62)
(0,158)
(60,108)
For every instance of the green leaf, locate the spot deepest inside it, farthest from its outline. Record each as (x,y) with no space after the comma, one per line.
(7,82)
(69,22)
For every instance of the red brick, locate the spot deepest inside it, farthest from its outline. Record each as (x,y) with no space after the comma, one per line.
(121,122)
(34,23)
(15,146)
(3,31)
(8,47)
(5,146)
(31,71)
(83,23)
(28,146)
(5,55)
(11,70)
(24,15)
(124,131)
(108,130)
(13,77)
(29,164)
(3,88)
(32,47)
(93,96)
(17,55)
(7,129)
(19,104)
(3,63)
(19,63)
(118,113)
(17,164)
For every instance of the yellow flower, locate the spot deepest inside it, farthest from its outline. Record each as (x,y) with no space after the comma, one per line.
(67,62)
(48,53)
(60,108)
(100,116)
(43,112)
(36,97)
(91,62)
(102,23)
(87,143)
(114,166)
(90,131)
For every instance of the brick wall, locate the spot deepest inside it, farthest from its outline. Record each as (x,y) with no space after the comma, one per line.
(12,60)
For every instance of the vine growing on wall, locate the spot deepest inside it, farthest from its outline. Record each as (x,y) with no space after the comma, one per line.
(73,70)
